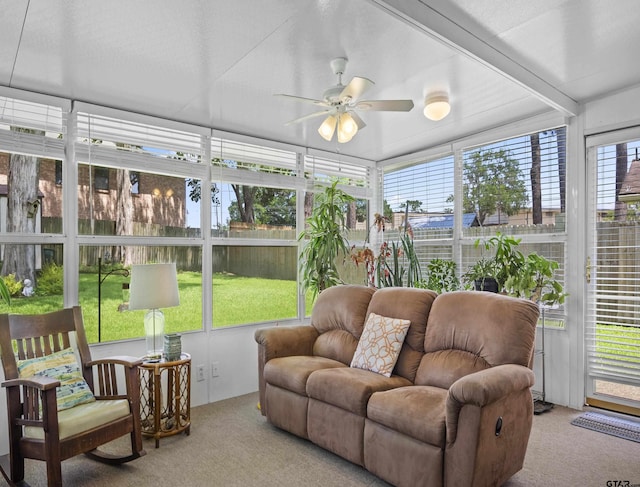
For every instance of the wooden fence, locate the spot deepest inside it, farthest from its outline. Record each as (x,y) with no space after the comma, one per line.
(618,260)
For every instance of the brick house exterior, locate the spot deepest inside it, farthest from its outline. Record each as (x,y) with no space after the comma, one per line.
(160,200)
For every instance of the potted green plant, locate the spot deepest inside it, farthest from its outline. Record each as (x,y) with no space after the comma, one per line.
(535,281)
(441,276)
(491,273)
(507,259)
(481,275)
(397,264)
(324,240)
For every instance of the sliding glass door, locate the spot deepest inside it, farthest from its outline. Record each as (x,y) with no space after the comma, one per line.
(613,271)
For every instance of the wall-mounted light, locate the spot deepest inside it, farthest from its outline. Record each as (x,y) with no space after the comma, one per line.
(436,106)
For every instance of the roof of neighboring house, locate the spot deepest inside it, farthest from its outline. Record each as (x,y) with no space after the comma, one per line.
(630,189)
(442,221)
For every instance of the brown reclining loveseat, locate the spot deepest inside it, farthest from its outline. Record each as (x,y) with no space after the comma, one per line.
(456,410)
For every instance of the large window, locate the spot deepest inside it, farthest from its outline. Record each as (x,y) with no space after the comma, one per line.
(34,277)
(518,184)
(32,138)
(254,284)
(104,291)
(419,198)
(515,187)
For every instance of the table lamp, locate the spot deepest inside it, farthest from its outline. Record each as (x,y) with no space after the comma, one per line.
(153,286)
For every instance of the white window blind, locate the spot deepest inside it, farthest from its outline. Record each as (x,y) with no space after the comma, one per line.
(424,189)
(326,170)
(500,185)
(112,137)
(48,121)
(241,155)
(613,334)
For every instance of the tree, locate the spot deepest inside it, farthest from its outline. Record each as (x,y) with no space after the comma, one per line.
(536,192)
(245,197)
(351,214)
(413,205)
(561,145)
(271,207)
(492,183)
(124,215)
(22,199)
(387,211)
(620,212)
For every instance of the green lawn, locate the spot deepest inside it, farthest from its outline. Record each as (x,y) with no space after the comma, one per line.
(236,300)
(621,342)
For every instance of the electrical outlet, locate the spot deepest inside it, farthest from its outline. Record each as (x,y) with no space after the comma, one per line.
(214,369)
(200,372)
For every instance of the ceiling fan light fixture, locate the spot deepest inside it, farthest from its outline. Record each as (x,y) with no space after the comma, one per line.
(347,127)
(436,106)
(328,127)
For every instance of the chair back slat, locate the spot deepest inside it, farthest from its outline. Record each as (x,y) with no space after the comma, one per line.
(40,335)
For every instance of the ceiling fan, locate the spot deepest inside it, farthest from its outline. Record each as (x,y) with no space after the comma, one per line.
(339,104)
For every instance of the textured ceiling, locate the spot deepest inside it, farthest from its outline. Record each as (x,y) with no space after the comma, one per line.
(219,63)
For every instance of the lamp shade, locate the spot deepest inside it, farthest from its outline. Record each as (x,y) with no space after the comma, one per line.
(328,127)
(153,286)
(436,106)
(347,128)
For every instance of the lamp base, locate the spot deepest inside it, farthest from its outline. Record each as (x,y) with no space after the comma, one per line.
(154,333)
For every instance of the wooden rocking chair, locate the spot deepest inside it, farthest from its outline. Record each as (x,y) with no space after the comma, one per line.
(37,430)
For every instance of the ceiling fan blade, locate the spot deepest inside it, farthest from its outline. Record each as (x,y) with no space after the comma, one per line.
(359,122)
(311,115)
(356,88)
(385,105)
(313,101)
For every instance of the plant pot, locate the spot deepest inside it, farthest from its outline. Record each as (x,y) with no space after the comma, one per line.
(487,284)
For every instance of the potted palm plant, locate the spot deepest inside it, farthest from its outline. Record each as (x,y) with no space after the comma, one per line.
(324,240)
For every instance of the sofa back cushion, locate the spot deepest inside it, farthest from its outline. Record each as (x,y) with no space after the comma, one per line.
(406,304)
(339,315)
(468,331)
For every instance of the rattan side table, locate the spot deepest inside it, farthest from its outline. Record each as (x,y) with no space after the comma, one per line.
(165,397)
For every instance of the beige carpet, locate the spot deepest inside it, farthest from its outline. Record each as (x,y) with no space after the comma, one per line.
(232,445)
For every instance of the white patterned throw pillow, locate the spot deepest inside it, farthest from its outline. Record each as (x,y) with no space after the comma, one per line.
(380,344)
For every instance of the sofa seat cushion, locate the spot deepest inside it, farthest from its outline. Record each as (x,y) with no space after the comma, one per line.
(291,373)
(350,388)
(416,411)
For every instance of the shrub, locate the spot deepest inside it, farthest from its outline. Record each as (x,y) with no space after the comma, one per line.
(50,280)
(14,286)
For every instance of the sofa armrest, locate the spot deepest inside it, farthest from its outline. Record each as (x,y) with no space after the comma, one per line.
(281,341)
(284,341)
(488,421)
(483,388)
(486,386)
